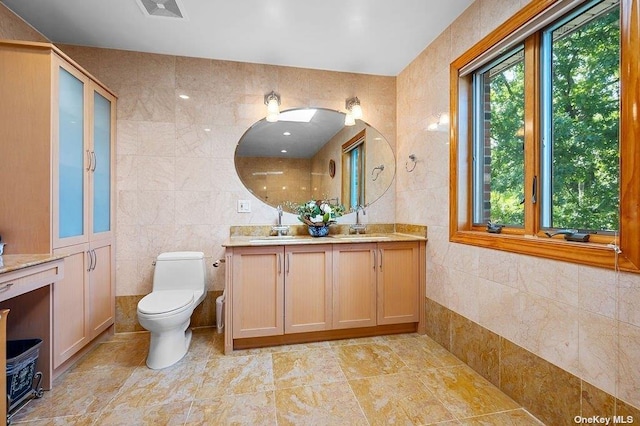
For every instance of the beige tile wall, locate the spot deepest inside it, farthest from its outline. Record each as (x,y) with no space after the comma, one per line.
(584,320)
(177,189)
(177,185)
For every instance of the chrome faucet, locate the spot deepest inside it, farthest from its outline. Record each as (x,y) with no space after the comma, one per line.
(359,226)
(280,229)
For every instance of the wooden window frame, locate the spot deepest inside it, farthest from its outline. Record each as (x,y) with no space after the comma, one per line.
(530,240)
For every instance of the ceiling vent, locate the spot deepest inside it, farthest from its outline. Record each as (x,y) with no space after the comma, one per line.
(162,8)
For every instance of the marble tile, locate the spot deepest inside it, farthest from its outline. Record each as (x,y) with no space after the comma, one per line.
(438,322)
(598,351)
(155,173)
(146,387)
(507,418)
(629,298)
(247,409)
(477,347)
(366,360)
(628,366)
(398,399)
(597,291)
(156,138)
(79,420)
(70,395)
(326,404)
(236,375)
(115,354)
(165,414)
(127,314)
(546,391)
(596,402)
(464,392)
(422,352)
(305,368)
(628,411)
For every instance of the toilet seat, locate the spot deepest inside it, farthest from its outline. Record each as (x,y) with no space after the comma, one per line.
(165,301)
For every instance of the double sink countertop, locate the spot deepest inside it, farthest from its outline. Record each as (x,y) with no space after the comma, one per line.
(253,236)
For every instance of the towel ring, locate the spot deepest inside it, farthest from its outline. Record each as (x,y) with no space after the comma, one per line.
(412,157)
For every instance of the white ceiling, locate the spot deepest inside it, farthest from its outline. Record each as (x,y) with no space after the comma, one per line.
(363,36)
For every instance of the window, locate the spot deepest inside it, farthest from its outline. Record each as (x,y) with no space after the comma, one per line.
(352,170)
(544,137)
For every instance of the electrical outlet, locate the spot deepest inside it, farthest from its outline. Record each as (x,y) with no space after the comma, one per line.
(244,206)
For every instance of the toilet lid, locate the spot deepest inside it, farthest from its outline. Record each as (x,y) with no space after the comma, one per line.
(160,302)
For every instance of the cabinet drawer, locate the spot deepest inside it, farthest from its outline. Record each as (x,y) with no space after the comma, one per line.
(15,283)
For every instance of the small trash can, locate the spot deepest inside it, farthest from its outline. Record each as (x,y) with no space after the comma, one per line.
(22,356)
(220,312)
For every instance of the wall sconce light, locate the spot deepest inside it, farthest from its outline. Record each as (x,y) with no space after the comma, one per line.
(440,123)
(272,101)
(354,111)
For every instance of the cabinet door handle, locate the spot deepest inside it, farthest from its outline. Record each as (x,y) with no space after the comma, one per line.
(94,161)
(6,287)
(381,259)
(90,260)
(89,160)
(95,260)
(279,264)
(287,261)
(375,258)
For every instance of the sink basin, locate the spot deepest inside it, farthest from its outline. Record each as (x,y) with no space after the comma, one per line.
(362,237)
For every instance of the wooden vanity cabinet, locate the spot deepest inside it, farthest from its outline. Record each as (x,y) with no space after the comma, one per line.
(354,285)
(296,293)
(307,288)
(258,291)
(398,282)
(279,290)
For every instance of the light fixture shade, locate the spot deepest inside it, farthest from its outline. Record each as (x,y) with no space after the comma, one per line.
(356,111)
(272,101)
(353,107)
(349,120)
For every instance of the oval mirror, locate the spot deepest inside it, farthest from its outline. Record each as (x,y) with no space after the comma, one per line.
(310,154)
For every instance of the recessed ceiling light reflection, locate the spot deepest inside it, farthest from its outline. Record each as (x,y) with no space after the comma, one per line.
(283,151)
(287,133)
(184,96)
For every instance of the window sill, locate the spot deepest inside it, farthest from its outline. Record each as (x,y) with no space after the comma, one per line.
(592,254)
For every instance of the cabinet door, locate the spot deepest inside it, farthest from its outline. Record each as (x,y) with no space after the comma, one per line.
(101,288)
(307,288)
(70,331)
(354,285)
(102,161)
(398,282)
(258,291)
(71,156)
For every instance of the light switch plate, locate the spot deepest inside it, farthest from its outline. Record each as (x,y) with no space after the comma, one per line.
(244,206)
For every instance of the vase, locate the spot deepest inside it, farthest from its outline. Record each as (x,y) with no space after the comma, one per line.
(318,231)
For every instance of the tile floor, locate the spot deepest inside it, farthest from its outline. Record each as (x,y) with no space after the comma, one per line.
(403,379)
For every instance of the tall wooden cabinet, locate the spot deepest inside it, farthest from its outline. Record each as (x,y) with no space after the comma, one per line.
(57,126)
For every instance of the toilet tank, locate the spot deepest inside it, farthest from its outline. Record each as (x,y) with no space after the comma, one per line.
(181,270)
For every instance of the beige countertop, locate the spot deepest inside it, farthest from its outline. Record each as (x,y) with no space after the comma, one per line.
(255,236)
(14,262)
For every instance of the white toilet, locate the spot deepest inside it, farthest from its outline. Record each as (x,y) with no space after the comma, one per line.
(179,282)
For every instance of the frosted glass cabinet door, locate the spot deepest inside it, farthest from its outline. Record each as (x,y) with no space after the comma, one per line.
(71,155)
(102,168)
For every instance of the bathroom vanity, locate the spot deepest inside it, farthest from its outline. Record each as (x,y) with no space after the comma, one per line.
(296,289)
